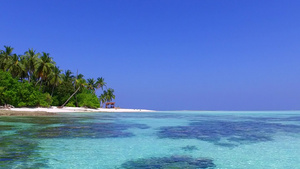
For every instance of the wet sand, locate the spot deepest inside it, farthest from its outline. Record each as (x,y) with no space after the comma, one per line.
(25,113)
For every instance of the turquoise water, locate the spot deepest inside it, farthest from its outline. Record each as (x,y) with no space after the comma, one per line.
(225,140)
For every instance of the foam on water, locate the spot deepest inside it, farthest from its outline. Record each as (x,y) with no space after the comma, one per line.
(231,140)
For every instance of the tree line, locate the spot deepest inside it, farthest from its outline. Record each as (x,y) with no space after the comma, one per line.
(34,79)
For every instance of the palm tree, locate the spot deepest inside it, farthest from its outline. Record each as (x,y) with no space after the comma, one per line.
(67,76)
(91,84)
(100,83)
(14,66)
(80,76)
(24,73)
(55,78)
(32,60)
(44,67)
(107,96)
(5,57)
(110,94)
(102,98)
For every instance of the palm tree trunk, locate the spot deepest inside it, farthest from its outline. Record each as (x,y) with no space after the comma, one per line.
(52,90)
(70,97)
(37,82)
(76,100)
(30,76)
(75,88)
(40,85)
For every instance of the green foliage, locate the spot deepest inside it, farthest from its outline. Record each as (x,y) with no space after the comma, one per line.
(70,104)
(20,94)
(55,101)
(88,99)
(45,100)
(8,93)
(27,81)
(63,92)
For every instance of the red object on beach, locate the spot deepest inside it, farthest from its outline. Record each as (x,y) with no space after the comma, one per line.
(110,105)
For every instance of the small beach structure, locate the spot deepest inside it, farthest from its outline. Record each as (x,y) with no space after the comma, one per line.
(110,105)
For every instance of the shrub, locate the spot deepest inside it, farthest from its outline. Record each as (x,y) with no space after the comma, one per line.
(21,94)
(88,99)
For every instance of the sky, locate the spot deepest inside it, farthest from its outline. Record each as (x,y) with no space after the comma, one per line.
(169,54)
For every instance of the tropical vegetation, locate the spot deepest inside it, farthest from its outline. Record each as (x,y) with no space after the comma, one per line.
(34,79)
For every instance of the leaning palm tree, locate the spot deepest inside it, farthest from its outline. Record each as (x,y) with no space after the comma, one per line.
(81,83)
(32,60)
(5,57)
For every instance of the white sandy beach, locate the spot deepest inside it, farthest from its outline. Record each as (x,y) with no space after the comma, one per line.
(54,109)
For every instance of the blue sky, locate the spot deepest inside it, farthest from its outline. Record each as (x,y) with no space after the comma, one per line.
(169,54)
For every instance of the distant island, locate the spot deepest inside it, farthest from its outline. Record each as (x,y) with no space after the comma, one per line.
(34,80)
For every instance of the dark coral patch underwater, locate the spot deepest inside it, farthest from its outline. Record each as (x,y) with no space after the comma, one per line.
(228,133)
(173,162)
(73,127)
(189,148)
(87,130)
(79,129)
(282,118)
(22,146)
(16,150)
(6,128)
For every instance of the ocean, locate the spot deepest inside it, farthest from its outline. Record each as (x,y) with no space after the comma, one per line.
(168,139)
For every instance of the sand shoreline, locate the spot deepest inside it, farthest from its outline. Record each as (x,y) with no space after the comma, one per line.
(39,111)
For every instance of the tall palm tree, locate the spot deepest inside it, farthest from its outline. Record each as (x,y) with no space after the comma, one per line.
(44,67)
(80,76)
(24,72)
(107,96)
(5,57)
(102,98)
(68,76)
(31,60)
(91,84)
(14,66)
(55,78)
(110,94)
(100,83)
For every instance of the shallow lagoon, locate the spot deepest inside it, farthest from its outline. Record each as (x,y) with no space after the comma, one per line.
(231,140)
